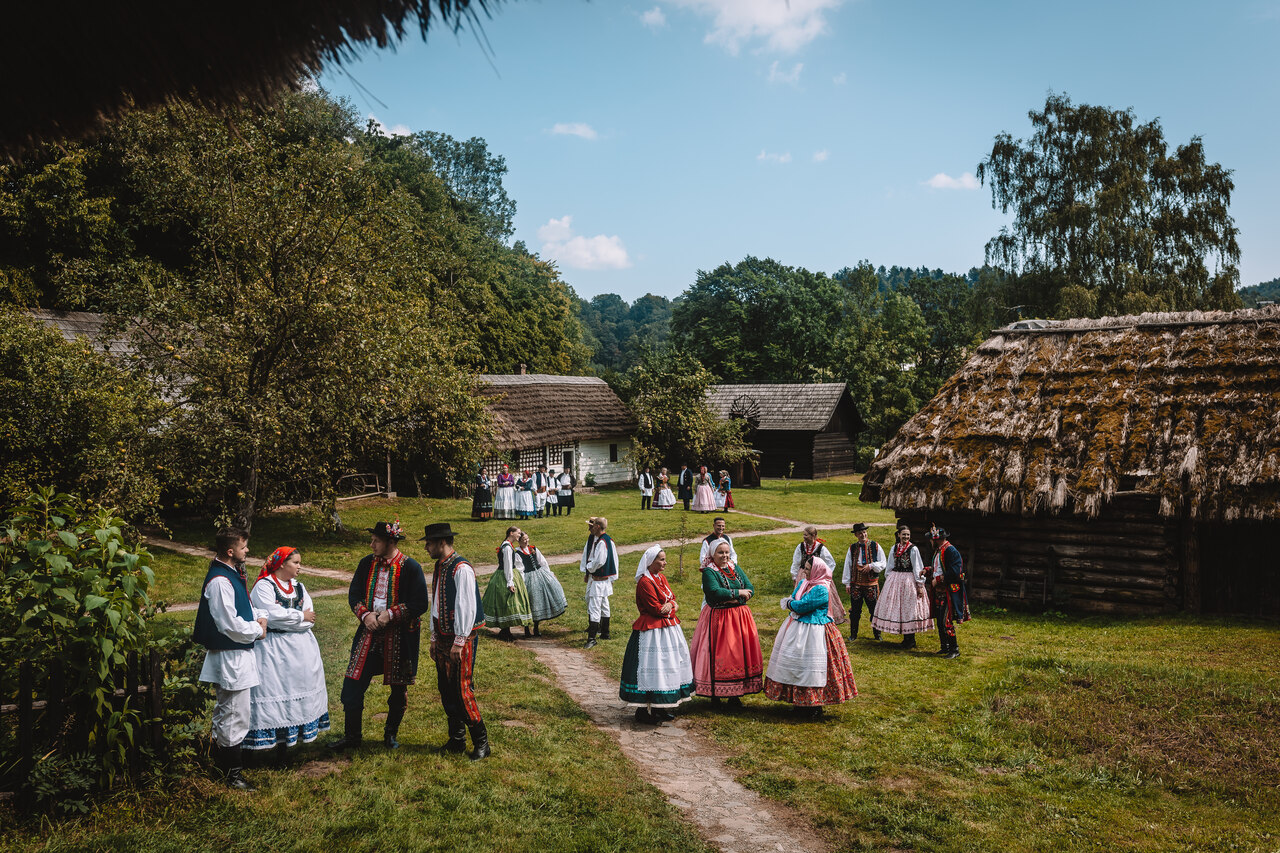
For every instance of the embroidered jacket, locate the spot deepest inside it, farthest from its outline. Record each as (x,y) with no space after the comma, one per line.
(401,582)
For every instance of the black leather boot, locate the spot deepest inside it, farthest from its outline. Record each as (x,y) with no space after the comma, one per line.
(230,763)
(352,730)
(392,728)
(853,632)
(480,739)
(457,742)
(592,627)
(604,628)
(909,641)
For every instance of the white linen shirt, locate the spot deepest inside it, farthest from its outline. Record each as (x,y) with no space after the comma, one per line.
(464,608)
(879,565)
(230,669)
(821,553)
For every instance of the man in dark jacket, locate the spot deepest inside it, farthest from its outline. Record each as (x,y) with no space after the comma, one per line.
(950,595)
(685,485)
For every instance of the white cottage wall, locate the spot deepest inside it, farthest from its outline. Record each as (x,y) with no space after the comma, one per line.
(594,458)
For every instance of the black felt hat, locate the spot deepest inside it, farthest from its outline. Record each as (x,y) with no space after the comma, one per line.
(387,530)
(859,527)
(439,530)
(939,533)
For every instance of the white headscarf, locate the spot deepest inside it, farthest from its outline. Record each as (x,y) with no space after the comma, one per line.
(648,557)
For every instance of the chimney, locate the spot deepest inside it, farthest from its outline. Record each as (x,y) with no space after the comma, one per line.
(522,367)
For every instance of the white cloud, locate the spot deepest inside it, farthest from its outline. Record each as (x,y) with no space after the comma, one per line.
(654,19)
(578,252)
(766,157)
(783,26)
(393,130)
(840,79)
(943,181)
(575,128)
(792,76)
(820,156)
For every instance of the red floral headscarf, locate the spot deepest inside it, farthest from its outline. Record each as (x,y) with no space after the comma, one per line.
(276,560)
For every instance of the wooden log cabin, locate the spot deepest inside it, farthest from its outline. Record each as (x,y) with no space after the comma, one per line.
(1124,465)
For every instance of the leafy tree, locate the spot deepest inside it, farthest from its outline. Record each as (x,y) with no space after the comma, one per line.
(1106,219)
(617,332)
(1267,291)
(474,178)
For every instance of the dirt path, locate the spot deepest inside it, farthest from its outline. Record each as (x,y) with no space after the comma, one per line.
(682,764)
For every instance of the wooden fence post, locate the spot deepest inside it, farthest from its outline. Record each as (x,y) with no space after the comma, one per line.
(26,732)
(155,701)
(132,702)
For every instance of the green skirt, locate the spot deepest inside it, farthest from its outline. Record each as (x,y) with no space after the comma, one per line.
(504,608)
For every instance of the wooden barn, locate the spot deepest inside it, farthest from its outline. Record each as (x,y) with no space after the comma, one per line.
(574,422)
(1124,465)
(812,425)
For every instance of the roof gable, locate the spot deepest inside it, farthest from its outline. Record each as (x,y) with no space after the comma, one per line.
(536,409)
(778,406)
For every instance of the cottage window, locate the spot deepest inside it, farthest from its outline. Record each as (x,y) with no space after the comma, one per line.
(613,453)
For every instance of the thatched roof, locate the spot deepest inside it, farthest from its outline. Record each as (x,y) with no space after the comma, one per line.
(778,406)
(1184,407)
(68,68)
(537,409)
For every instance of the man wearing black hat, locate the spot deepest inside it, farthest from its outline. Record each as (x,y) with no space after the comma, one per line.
(685,485)
(388,595)
(456,616)
(863,566)
(950,597)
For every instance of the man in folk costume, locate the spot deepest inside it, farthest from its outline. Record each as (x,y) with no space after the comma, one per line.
(388,595)
(228,626)
(709,544)
(685,486)
(541,481)
(863,567)
(646,489)
(599,566)
(811,547)
(950,595)
(456,616)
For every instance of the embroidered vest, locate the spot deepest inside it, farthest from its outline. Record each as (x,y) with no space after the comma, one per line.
(206,633)
(610,567)
(393,582)
(449,600)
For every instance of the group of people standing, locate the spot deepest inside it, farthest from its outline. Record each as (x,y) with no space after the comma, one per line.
(705,492)
(533,494)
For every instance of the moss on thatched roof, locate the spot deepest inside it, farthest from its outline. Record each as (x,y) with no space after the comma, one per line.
(1184,407)
(538,409)
(69,68)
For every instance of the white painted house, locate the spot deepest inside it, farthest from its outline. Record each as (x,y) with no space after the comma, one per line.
(573,422)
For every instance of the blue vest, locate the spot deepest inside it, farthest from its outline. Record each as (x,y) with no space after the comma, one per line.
(206,633)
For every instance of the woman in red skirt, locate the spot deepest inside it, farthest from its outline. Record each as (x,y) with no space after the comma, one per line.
(726,646)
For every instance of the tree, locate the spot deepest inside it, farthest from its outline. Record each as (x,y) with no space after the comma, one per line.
(1106,219)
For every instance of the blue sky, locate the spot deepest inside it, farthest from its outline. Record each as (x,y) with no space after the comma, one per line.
(646,141)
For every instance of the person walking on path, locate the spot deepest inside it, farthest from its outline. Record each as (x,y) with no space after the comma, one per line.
(726,645)
(903,607)
(950,595)
(684,486)
(811,546)
(388,596)
(546,596)
(645,482)
(657,672)
(809,665)
(599,566)
(717,535)
(228,626)
(506,599)
(290,705)
(456,616)
(864,566)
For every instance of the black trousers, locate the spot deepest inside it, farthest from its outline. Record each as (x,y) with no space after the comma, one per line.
(646,502)
(353,689)
(859,596)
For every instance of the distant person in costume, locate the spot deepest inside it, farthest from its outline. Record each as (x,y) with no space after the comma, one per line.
(950,593)
(726,645)
(724,493)
(811,546)
(290,705)
(388,596)
(599,566)
(546,596)
(504,503)
(553,493)
(482,497)
(541,483)
(665,499)
(506,599)
(228,627)
(864,566)
(657,672)
(526,501)
(565,494)
(903,606)
(456,617)
(684,485)
(646,484)
(704,497)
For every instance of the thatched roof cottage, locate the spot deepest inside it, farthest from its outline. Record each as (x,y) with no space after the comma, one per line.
(1128,464)
(560,421)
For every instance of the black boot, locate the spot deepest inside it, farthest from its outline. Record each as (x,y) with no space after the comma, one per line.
(480,740)
(230,763)
(909,641)
(392,728)
(457,742)
(643,715)
(352,730)
(604,628)
(592,627)
(536,632)
(875,632)
(853,632)
(527,632)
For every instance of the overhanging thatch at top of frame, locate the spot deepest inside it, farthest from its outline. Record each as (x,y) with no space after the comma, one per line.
(70,67)
(537,409)
(1184,407)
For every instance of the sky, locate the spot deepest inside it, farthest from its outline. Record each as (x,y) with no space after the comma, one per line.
(647,141)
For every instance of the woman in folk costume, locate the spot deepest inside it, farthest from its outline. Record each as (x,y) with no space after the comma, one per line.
(726,645)
(903,606)
(482,498)
(704,497)
(809,665)
(546,596)
(657,672)
(291,702)
(664,499)
(506,599)
(565,494)
(724,492)
(526,502)
(504,503)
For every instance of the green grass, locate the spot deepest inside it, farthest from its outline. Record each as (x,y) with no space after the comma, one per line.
(833,501)
(1049,733)
(180,576)
(554,782)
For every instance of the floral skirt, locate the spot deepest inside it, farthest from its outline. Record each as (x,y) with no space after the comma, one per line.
(726,653)
(704,499)
(656,668)
(839,686)
(901,609)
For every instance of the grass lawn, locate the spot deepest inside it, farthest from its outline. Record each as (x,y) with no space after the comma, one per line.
(179,576)
(1049,733)
(833,501)
(553,782)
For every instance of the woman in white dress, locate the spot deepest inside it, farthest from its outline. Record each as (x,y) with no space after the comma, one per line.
(657,670)
(665,499)
(903,607)
(290,703)
(526,504)
(504,502)
(704,496)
